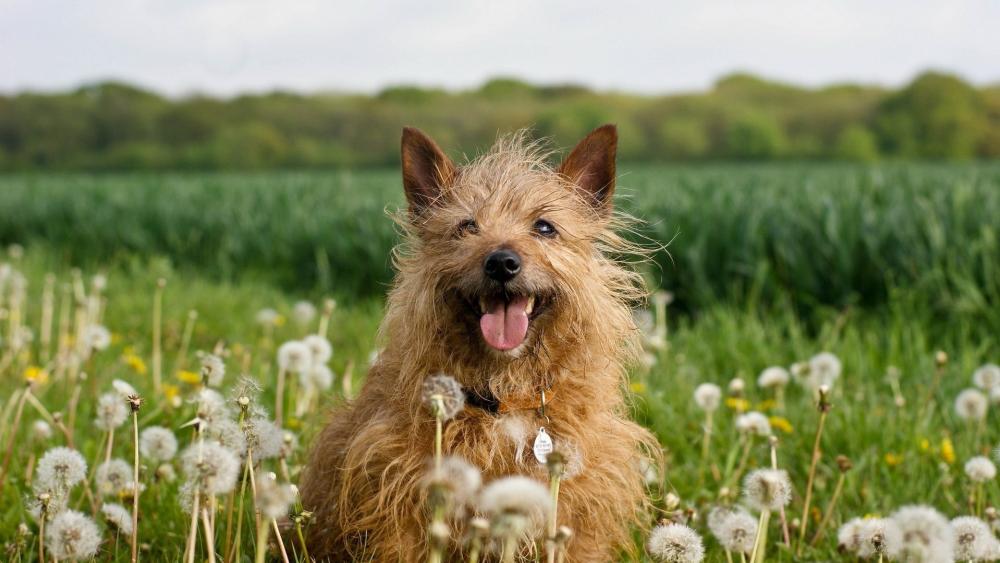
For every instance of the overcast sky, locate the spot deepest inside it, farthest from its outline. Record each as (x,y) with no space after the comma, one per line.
(229,46)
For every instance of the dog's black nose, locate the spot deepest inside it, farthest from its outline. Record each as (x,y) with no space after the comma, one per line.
(502,265)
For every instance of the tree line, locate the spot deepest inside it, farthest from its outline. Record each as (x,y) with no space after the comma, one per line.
(117,126)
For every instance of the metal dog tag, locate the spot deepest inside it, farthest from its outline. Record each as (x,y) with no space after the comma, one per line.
(543,445)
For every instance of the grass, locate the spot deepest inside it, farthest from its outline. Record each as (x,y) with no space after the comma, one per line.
(901,453)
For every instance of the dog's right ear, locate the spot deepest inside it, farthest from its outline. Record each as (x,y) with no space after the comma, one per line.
(426,170)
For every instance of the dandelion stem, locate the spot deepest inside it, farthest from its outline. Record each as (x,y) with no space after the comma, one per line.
(281,542)
(706,442)
(302,539)
(279,399)
(760,543)
(829,509)
(158,335)
(262,531)
(551,544)
(209,536)
(13,436)
(135,485)
(181,360)
(823,409)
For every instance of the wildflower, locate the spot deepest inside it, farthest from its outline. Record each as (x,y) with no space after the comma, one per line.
(41,431)
(113,477)
(737,404)
(213,370)
(118,516)
(893,459)
(157,443)
(72,536)
(264,437)
(987,377)
(267,317)
(319,377)
(188,377)
(849,535)
(274,499)
(211,405)
(96,337)
(971,405)
(735,529)
(754,423)
(443,396)
(675,543)
(524,500)
(879,537)
(320,349)
(212,465)
(457,479)
(980,469)
(294,356)
(824,369)
(947,451)
(35,375)
(707,396)
(135,362)
(774,376)
(303,312)
(767,489)
(111,412)
(781,423)
(971,538)
(927,535)
(228,433)
(736,386)
(60,468)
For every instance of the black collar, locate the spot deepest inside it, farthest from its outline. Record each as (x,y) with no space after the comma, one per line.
(482,400)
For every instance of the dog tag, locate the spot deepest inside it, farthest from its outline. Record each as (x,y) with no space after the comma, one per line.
(543,445)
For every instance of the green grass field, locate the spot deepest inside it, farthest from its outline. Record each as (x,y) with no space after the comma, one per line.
(770,265)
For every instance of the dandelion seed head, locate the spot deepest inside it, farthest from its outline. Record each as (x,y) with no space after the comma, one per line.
(767,489)
(824,369)
(72,536)
(971,405)
(213,369)
(444,393)
(123,388)
(707,396)
(459,479)
(987,377)
(320,349)
(879,536)
(118,516)
(263,437)
(675,543)
(927,534)
(318,378)
(972,538)
(736,386)
(849,535)
(520,497)
(267,317)
(113,477)
(157,443)
(772,377)
(980,469)
(273,498)
(214,467)
(41,431)
(112,411)
(294,356)
(736,530)
(60,468)
(303,312)
(211,406)
(228,433)
(754,423)
(96,337)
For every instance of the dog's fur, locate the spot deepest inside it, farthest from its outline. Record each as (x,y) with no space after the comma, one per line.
(363,481)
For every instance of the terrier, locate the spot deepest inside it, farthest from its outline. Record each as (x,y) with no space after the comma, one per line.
(509,279)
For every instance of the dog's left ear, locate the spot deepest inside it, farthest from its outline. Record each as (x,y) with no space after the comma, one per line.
(426,170)
(591,167)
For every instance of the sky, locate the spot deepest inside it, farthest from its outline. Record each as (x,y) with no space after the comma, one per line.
(224,47)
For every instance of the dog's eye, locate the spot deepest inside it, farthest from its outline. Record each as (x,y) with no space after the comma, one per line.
(544,228)
(468,226)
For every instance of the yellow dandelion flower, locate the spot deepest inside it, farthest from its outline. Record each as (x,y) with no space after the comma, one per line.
(781,423)
(189,377)
(135,362)
(279,320)
(947,451)
(294,423)
(925,445)
(767,405)
(637,387)
(738,404)
(171,393)
(36,375)
(116,338)
(893,459)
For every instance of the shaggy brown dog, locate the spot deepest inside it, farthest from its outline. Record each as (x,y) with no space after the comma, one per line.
(506,281)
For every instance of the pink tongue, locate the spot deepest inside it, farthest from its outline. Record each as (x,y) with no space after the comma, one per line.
(505,325)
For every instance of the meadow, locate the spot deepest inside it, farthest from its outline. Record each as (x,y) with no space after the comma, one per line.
(891,268)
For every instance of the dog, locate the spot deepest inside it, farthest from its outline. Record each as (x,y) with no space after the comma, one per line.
(510,279)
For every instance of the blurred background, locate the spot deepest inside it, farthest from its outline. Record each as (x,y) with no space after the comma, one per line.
(812,154)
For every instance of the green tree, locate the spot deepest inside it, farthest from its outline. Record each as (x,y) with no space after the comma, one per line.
(856,143)
(684,138)
(754,136)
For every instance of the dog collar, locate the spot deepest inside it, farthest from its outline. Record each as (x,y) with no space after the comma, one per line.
(487,401)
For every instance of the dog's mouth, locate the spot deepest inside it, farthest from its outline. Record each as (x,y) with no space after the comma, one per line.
(504,320)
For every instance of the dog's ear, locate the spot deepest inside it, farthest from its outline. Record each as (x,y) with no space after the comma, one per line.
(426,170)
(591,167)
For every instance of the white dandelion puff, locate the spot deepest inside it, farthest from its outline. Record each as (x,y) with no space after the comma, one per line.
(774,376)
(987,377)
(767,489)
(111,412)
(294,357)
(319,378)
(123,388)
(753,422)
(72,536)
(41,431)
(320,348)
(113,477)
(459,479)
(971,405)
(264,437)
(157,443)
(443,396)
(735,529)
(520,498)
(980,469)
(211,405)
(303,312)
(212,465)
(118,516)
(96,337)
(60,468)
(213,369)
(927,535)
(972,538)
(675,543)
(230,435)
(879,536)
(267,317)
(849,535)
(707,396)
(736,386)
(824,369)
(273,498)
